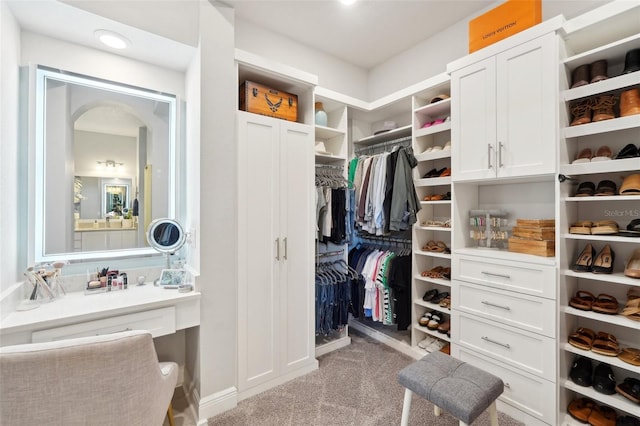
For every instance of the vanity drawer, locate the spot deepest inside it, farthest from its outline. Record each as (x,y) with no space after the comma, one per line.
(158,322)
(519,310)
(528,393)
(524,350)
(522,277)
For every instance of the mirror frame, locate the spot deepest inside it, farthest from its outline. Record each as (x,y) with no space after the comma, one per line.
(42,75)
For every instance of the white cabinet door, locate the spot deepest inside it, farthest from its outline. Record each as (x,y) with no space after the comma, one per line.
(259,269)
(473,114)
(527,91)
(276,248)
(504,113)
(297,226)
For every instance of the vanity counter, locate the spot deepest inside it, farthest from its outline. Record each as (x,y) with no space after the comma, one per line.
(159,310)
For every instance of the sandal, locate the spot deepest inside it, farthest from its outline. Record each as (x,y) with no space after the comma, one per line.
(630,389)
(630,356)
(429,246)
(602,416)
(582,338)
(605,304)
(446,273)
(582,300)
(434,272)
(446,303)
(440,297)
(440,247)
(605,344)
(425,318)
(632,309)
(429,295)
(605,227)
(582,227)
(581,408)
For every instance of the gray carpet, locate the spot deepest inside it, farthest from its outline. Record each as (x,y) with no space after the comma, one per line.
(355,385)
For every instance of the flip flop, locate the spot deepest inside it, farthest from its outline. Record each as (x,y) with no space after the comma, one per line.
(582,338)
(630,356)
(605,227)
(605,344)
(582,300)
(582,227)
(605,304)
(632,309)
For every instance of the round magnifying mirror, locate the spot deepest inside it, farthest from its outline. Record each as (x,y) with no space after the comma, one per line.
(166,235)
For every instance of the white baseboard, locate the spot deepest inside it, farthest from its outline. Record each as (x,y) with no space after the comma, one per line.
(215,404)
(306,369)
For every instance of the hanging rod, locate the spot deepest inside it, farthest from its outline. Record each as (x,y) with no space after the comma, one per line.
(330,253)
(405,141)
(329,166)
(385,239)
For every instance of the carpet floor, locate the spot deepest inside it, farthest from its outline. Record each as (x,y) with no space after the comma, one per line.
(355,385)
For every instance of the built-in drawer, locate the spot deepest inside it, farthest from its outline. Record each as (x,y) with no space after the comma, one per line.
(533,395)
(158,322)
(524,350)
(530,313)
(522,277)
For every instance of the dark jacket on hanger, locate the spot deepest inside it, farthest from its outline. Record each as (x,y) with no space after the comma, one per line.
(405,203)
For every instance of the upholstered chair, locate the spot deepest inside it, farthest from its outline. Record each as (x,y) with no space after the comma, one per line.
(112,379)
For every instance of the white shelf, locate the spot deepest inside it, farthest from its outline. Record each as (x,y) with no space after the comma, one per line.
(606,126)
(609,85)
(611,360)
(323,132)
(383,137)
(435,109)
(613,401)
(432,306)
(438,128)
(615,278)
(618,49)
(433,155)
(439,281)
(329,158)
(430,203)
(434,333)
(603,238)
(431,254)
(432,228)
(605,318)
(612,166)
(436,181)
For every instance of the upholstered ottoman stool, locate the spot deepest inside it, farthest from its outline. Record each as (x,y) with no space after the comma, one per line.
(461,389)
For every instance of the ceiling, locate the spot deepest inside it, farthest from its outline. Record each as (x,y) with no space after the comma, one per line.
(366,33)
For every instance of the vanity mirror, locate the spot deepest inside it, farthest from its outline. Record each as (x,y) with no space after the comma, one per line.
(105,164)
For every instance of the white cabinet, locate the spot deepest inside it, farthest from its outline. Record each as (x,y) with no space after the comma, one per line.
(276,253)
(504,113)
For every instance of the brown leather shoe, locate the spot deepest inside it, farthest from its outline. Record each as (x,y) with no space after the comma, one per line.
(581,112)
(603,108)
(581,76)
(630,102)
(598,71)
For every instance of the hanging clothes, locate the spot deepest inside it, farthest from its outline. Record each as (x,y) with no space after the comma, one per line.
(384,191)
(333,206)
(383,293)
(333,296)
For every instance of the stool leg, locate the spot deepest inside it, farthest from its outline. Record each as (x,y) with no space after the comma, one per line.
(437,411)
(406,407)
(493,414)
(462,423)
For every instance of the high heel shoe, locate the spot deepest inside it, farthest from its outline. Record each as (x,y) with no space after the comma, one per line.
(603,264)
(585,260)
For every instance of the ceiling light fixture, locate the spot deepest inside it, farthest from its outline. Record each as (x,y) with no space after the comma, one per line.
(112,39)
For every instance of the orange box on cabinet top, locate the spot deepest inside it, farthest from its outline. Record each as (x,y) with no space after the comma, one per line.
(503,21)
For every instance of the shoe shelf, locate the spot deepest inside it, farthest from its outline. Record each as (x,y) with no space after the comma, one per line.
(610,166)
(616,49)
(420,252)
(436,128)
(431,306)
(611,360)
(438,202)
(433,155)
(434,333)
(383,137)
(438,281)
(433,228)
(437,181)
(615,401)
(603,198)
(603,238)
(615,278)
(619,320)
(606,126)
(610,85)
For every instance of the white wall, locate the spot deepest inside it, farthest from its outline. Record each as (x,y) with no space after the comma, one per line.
(332,72)
(12,249)
(430,57)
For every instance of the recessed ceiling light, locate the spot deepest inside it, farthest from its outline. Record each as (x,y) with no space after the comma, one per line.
(347,2)
(112,39)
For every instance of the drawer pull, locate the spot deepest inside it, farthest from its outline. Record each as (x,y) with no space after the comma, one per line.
(277,248)
(506,308)
(504,345)
(497,275)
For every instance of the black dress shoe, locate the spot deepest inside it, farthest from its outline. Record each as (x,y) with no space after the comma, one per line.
(584,262)
(629,151)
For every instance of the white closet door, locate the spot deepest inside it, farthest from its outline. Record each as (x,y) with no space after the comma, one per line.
(527,108)
(297,217)
(259,269)
(473,132)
